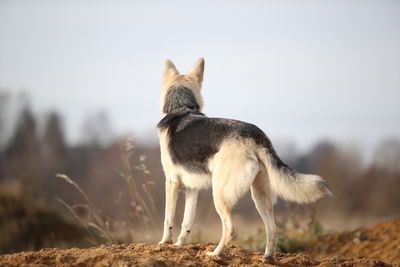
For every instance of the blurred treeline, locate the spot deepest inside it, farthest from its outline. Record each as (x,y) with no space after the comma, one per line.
(33,149)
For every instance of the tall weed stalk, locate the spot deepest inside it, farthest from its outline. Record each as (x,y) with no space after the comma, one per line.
(139,206)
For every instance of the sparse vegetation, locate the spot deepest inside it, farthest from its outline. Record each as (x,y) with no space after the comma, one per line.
(293,237)
(141,218)
(94,221)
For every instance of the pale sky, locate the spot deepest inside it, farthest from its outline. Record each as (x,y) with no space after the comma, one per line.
(301,70)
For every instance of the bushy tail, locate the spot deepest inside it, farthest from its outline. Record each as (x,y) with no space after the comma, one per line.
(292,185)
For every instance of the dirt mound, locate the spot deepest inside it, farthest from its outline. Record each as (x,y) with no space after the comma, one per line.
(167,255)
(378,245)
(380,241)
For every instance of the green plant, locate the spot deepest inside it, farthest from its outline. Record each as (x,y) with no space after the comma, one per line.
(292,237)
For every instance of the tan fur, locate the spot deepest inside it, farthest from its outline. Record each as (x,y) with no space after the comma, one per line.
(240,164)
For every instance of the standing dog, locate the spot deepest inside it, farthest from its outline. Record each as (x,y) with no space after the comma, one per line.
(229,155)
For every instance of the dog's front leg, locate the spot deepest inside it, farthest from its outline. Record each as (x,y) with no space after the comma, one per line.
(171,196)
(188,217)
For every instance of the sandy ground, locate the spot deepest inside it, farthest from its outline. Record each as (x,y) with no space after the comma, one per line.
(168,255)
(378,245)
(380,241)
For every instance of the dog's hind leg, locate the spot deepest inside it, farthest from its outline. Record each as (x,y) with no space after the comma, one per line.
(171,196)
(224,211)
(231,179)
(188,217)
(264,200)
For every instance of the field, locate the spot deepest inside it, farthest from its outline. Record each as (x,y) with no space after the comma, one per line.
(378,245)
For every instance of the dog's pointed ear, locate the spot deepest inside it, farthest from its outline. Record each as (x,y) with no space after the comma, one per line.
(169,69)
(197,70)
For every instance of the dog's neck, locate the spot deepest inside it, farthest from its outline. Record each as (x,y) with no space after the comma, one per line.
(177,114)
(179,98)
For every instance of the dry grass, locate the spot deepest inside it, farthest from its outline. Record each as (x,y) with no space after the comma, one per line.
(96,222)
(141,215)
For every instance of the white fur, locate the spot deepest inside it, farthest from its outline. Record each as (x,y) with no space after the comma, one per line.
(234,170)
(297,187)
(240,164)
(175,176)
(171,196)
(264,199)
(188,217)
(178,173)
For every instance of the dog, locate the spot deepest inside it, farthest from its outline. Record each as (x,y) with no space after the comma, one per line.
(230,156)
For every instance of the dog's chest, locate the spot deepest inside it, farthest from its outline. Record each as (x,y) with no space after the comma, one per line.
(190,147)
(187,172)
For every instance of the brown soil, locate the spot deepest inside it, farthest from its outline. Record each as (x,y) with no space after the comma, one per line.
(378,245)
(167,255)
(380,241)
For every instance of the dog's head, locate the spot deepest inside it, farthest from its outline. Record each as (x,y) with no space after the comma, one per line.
(181,90)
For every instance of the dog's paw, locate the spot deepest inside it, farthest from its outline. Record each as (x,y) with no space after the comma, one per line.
(179,243)
(211,254)
(165,242)
(268,259)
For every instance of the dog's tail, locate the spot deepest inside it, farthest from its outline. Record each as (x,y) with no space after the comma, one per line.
(288,183)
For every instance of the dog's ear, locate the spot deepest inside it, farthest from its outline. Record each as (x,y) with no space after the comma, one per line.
(197,70)
(169,69)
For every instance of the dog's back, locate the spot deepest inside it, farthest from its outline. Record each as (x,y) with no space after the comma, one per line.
(195,138)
